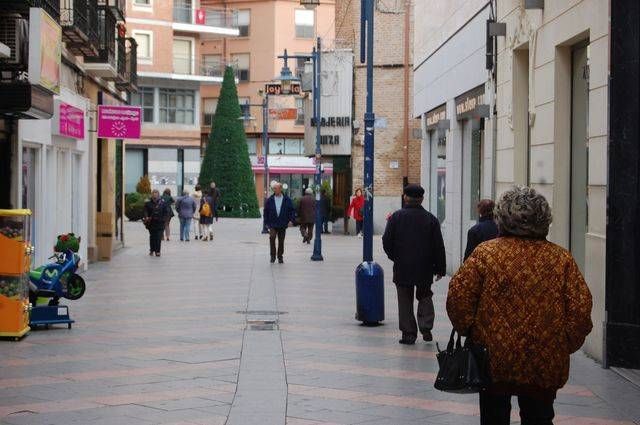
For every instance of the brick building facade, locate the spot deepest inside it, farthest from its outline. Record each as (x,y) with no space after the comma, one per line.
(390,104)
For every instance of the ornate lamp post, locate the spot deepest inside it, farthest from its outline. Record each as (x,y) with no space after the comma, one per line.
(286,78)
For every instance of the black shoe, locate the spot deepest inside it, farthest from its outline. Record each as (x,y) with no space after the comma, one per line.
(280,260)
(273,260)
(407,341)
(427,337)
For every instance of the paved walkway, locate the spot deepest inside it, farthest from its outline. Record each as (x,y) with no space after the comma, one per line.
(211,333)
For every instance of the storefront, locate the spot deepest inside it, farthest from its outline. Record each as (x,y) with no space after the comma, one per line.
(296,172)
(458,145)
(52,170)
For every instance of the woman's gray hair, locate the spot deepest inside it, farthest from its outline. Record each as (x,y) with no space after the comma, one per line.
(523,212)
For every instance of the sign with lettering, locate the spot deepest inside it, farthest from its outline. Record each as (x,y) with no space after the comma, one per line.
(275,89)
(119,122)
(201,17)
(469,102)
(435,115)
(336,122)
(68,121)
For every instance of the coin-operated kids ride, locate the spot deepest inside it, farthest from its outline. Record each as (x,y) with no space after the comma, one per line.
(55,280)
(15,261)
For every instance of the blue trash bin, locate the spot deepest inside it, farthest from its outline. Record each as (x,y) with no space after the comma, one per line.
(369,293)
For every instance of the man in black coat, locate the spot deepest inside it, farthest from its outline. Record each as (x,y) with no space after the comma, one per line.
(413,241)
(486,229)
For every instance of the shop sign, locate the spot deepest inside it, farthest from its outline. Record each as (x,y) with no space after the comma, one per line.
(275,89)
(283,113)
(119,122)
(68,121)
(336,122)
(435,115)
(45,50)
(468,104)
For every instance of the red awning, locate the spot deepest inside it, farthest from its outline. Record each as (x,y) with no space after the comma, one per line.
(258,169)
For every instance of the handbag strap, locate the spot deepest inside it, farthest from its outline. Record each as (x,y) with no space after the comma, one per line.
(451,340)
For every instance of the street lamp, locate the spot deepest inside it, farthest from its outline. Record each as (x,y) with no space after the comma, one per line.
(369,274)
(286,78)
(265,144)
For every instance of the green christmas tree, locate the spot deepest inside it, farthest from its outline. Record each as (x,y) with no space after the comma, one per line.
(226,159)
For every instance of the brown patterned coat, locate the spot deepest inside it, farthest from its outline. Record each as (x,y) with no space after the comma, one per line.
(527,302)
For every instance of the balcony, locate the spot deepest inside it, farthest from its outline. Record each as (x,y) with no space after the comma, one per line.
(190,69)
(118,7)
(205,21)
(128,80)
(79,21)
(104,64)
(52,7)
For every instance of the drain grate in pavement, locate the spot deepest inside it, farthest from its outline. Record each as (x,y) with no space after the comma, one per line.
(261,312)
(262,325)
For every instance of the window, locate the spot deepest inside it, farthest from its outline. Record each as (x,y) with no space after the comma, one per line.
(276,146)
(241,62)
(300,65)
(293,147)
(177,106)
(244,106)
(305,23)
(142,2)
(209,110)
(182,58)
(244,20)
(300,108)
(144,98)
(212,65)
(144,44)
(252,145)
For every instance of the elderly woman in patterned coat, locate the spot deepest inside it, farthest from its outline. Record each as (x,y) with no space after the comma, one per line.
(525,299)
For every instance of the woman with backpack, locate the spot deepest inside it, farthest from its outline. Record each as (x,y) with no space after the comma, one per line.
(206,218)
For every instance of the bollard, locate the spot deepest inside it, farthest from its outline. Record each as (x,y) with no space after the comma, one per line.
(369,293)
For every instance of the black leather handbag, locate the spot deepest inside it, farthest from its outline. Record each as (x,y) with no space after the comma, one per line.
(464,369)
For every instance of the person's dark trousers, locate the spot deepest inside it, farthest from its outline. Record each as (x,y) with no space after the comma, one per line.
(155,239)
(280,234)
(359,226)
(307,231)
(495,409)
(426,313)
(325,225)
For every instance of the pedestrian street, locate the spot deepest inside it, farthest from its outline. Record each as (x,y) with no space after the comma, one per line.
(212,333)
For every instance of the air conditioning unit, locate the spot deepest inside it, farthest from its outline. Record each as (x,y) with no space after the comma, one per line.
(14,32)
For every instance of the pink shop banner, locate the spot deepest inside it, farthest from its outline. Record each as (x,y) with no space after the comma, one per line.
(119,122)
(69,121)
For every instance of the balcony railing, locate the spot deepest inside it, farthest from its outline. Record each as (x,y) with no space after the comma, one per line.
(52,7)
(79,21)
(129,79)
(118,7)
(107,38)
(209,17)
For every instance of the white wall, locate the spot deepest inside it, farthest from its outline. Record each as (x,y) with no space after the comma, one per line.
(61,180)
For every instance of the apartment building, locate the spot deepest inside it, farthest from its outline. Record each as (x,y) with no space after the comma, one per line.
(170,35)
(266,28)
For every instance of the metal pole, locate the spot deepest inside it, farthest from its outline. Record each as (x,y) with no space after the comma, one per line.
(369,136)
(265,152)
(317,96)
